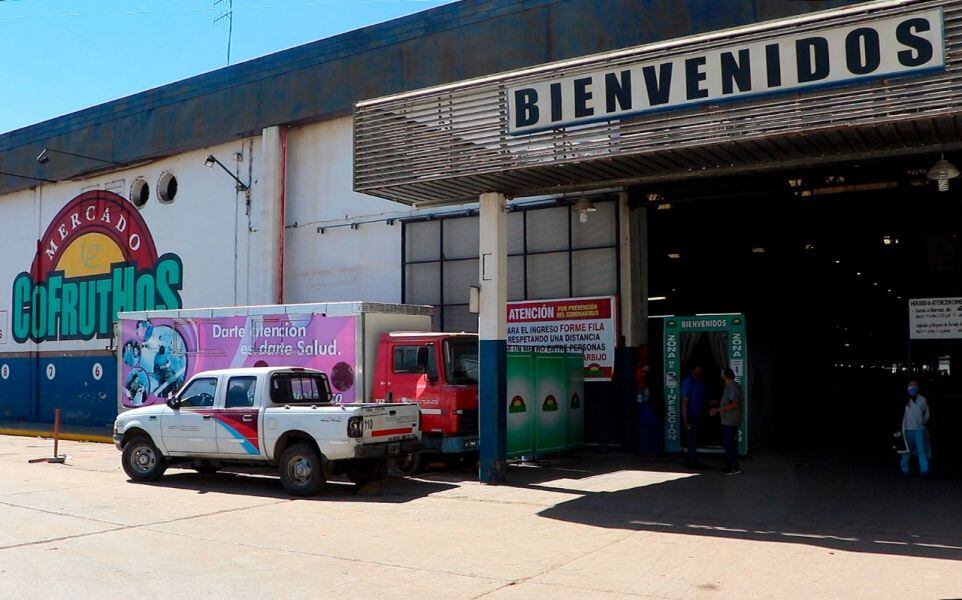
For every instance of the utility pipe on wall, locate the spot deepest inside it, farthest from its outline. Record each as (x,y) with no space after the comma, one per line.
(282,216)
(268,230)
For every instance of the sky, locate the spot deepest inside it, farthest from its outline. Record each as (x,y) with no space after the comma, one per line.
(64,55)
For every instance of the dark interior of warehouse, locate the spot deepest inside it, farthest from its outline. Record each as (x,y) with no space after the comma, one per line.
(822,262)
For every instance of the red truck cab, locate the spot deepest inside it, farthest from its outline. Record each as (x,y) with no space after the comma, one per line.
(438,371)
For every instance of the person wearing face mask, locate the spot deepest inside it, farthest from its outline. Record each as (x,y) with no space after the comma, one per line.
(914,418)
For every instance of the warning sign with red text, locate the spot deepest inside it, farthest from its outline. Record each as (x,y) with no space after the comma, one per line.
(585,325)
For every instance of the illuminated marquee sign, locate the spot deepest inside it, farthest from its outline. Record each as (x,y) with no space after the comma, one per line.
(96,258)
(911,44)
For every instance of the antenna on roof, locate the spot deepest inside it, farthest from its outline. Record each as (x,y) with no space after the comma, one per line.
(227,15)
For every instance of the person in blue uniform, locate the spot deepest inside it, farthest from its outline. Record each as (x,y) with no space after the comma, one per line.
(692,410)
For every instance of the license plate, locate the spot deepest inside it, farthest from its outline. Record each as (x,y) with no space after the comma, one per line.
(394,448)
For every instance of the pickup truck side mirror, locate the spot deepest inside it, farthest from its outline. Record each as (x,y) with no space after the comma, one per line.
(432,377)
(173,402)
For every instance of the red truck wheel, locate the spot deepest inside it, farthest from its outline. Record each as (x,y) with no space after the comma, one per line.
(363,471)
(404,466)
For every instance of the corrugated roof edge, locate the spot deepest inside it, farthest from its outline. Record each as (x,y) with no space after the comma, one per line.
(356,41)
(395,56)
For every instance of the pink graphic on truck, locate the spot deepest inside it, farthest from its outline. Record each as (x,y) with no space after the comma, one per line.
(160,355)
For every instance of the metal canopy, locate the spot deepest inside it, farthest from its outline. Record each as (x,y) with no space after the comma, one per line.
(449,144)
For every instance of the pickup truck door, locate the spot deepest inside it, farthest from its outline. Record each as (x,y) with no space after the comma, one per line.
(238,420)
(189,429)
(414,377)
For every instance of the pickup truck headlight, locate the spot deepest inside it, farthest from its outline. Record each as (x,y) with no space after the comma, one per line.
(354,427)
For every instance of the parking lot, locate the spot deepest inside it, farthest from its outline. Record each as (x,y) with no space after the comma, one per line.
(599,526)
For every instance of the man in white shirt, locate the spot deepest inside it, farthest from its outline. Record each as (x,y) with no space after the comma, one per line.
(914,418)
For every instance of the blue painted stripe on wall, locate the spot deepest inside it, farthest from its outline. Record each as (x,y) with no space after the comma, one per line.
(29,394)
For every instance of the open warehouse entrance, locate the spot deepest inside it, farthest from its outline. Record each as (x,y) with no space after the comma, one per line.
(823,263)
(800,202)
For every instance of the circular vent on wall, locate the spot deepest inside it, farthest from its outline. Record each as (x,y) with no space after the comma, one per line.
(139,192)
(167,188)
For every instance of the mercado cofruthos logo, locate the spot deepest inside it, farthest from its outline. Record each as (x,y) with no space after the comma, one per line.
(96,258)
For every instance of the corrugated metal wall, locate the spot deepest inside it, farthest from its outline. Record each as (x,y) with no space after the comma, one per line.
(551,254)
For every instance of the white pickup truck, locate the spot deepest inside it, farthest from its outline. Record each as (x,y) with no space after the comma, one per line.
(279,417)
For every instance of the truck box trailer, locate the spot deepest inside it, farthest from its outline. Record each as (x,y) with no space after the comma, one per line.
(370,352)
(159,350)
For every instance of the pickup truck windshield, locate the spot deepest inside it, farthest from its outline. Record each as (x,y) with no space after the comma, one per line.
(461,360)
(300,388)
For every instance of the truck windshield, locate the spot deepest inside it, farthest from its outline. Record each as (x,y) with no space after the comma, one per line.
(461,360)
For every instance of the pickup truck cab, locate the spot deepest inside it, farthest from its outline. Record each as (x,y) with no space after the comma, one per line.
(275,417)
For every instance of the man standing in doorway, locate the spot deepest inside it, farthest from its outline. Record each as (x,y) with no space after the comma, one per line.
(730,409)
(692,407)
(914,418)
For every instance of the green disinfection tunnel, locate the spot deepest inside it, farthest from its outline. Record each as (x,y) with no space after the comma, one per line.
(713,343)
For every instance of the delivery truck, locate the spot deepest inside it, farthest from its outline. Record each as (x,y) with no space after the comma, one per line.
(371,352)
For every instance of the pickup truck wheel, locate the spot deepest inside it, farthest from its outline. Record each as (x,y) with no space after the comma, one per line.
(302,473)
(142,461)
(363,472)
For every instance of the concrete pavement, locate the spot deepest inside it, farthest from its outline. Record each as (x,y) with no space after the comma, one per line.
(595,527)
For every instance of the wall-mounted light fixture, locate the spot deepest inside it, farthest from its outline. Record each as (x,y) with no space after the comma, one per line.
(44,157)
(584,206)
(474,300)
(211,160)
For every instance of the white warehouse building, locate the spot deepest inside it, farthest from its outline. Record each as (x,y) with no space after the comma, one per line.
(350,169)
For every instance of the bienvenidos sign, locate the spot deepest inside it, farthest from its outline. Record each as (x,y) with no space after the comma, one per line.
(911,44)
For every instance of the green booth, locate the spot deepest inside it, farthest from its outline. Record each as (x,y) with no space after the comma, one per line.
(716,341)
(545,403)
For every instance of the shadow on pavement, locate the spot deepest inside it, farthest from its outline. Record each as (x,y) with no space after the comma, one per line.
(831,504)
(269,486)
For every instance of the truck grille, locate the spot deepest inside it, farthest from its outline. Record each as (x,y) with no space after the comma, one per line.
(468,422)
